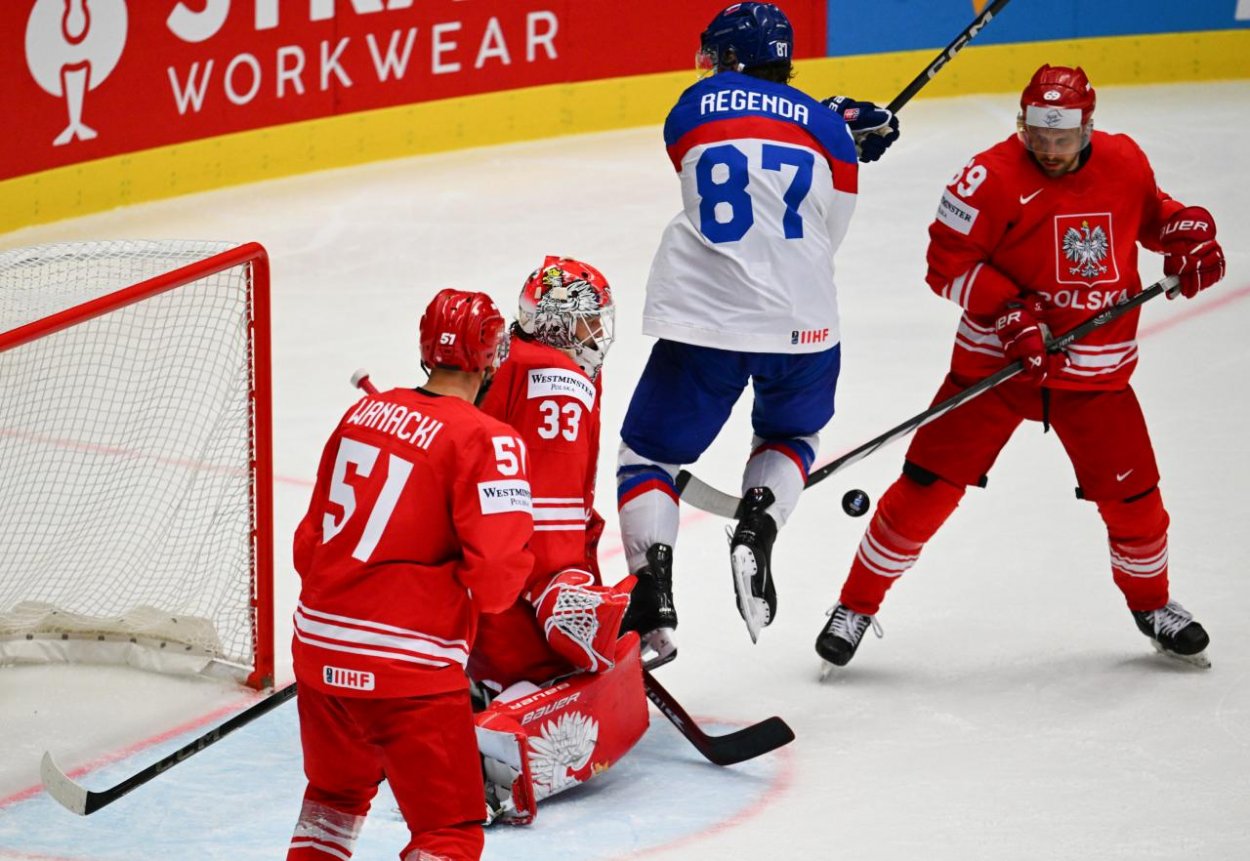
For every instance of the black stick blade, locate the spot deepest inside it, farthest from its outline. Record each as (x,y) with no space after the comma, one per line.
(729,749)
(748,742)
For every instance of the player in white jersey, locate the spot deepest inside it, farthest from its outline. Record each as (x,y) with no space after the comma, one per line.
(741,289)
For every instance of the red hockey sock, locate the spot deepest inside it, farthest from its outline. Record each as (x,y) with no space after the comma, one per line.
(1138,535)
(907,516)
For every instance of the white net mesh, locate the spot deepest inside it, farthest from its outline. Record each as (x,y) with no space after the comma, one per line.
(126,441)
(574,614)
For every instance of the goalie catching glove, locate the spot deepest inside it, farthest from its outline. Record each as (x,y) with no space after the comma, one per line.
(1190,249)
(580,619)
(872,127)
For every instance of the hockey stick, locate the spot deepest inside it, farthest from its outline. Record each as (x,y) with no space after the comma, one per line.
(78,799)
(704,496)
(948,53)
(738,746)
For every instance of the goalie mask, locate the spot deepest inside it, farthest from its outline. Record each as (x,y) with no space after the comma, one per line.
(568,305)
(1057,117)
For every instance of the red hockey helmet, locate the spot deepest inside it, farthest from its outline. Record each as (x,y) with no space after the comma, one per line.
(1057,101)
(461,331)
(568,305)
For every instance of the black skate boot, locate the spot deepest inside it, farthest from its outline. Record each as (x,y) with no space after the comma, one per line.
(750,557)
(1174,632)
(651,611)
(840,636)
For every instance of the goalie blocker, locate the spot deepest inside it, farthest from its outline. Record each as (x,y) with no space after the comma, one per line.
(537,742)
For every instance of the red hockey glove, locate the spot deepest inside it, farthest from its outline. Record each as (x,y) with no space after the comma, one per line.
(1190,250)
(581,620)
(1021,330)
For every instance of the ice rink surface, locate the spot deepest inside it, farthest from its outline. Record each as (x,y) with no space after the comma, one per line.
(1012,710)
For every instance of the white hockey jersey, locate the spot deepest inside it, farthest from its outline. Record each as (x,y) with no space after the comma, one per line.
(768,183)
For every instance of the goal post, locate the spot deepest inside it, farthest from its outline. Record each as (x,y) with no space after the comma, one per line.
(136,479)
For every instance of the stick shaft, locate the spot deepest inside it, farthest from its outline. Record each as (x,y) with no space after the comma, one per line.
(947,54)
(84,801)
(704,496)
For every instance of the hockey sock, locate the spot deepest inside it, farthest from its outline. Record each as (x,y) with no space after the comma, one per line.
(907,516)
(782,466)
(323,832)
(1137,531)
(646,500)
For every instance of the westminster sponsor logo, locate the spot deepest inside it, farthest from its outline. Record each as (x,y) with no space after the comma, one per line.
(956,214)
(504,496)
(549,382)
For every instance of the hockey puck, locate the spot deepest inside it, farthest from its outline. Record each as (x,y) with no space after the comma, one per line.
(856,503)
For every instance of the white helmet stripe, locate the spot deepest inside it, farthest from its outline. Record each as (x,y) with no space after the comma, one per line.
(1045,116)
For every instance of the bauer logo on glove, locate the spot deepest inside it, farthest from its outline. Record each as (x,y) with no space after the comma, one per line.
(1190,250)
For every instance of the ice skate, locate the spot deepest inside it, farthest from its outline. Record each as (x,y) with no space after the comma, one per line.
(750,555)
(1174,633)
(841,635)
(651,612)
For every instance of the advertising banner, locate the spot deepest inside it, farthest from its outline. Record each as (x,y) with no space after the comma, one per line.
(877,26)
(86,79)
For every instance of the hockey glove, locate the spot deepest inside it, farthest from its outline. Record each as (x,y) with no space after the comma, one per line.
(1023,334)
(873,128)
(580,619)
(1190,250)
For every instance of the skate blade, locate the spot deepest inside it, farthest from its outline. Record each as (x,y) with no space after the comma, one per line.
(826,670)
(659,644)
(754,611)
(1200,660)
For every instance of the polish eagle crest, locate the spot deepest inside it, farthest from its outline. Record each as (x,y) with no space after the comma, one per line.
(562,748)
(1086,248)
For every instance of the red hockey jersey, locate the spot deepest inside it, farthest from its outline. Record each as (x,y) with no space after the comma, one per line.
(418,522)
(554,406)
(1004,228)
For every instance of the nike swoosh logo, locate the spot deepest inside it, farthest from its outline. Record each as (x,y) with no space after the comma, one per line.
(1121,476)
(1024,199)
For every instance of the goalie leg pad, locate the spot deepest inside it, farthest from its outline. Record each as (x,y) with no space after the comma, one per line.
(580,619)
(564,734)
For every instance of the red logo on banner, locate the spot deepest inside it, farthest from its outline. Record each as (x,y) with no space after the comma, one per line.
(71,47)
(1084,251)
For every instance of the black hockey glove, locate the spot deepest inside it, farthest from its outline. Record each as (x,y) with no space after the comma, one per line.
(872,127)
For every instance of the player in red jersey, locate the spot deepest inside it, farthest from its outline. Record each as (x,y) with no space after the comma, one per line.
(1040,232)
(536,737)
(418,523)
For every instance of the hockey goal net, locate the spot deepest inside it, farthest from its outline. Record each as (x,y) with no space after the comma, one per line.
(135,475)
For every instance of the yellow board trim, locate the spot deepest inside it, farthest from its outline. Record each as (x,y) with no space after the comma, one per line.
(538,112)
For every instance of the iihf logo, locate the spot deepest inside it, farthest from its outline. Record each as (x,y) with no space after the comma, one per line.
(71,47)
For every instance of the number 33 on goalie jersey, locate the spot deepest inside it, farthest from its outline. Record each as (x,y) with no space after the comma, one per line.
(768,182)
(549,400)
(418,522)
